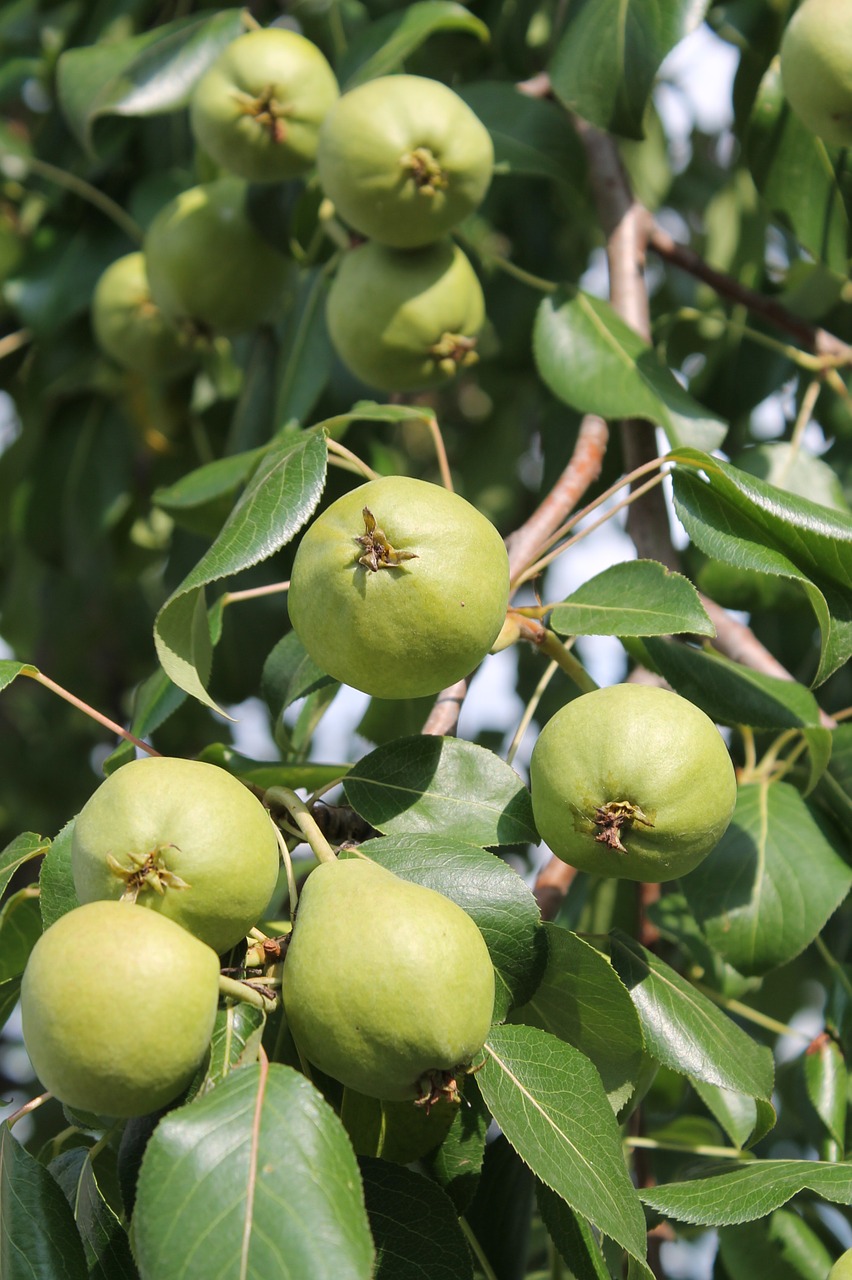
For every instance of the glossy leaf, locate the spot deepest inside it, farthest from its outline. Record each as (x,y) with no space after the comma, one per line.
(549,1101)
(286,1199)
(490,892)
(272,773)
(396,1131)
(744,1119)
(283,492)
(636,598)
(56,881)
(104,1238)
(20,930)
(235,1042)
(530,135)
(22,849)
(581,1000)
(215,480)
(794,172)
(9,669)
(684,1030)
(429,785)
(826,1081)
(414,1226)
(609,53)
(766,890)
(593,361)
(383,46)
(38,1236)
(289,674)
(572,1236)
(745,1192)
(143,75)
(744,521)
(783,1246)
(306,355)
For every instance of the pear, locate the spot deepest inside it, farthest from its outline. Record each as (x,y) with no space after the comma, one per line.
(117,1008)
(388,986)
(816,68)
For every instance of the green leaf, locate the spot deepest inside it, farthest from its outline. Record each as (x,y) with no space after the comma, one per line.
(148,74)
(637,598)
(235,1041)
(531,136)
(212,482)
(826,1081)
(572,1236)
(749,895)
(155,700)
(730,692)
(289,673)
(383,46)
(10,994)
(745,1192)
(22,849)
(56,880)
(608,55)
(306,354)
(429,785)
(582,1001)
(684,1030)
(283,492)
(794,173)
(38,1236)
(396,1131)
(549,1101)
(9,669)
(285,1200)
(20,930)
(414,1226)
(593,361)
(741,520)
(272,773)
(782,1246)
(492,894)
(455,1165)
(735,1112)
(104,1238)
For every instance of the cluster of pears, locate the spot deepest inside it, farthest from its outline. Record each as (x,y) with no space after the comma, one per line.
(399,588)
(173,862)
(402,158)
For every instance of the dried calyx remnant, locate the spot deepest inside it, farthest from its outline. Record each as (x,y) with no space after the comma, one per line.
(148,871)
(266,110)
(612,816)
(427,173)
(378,552)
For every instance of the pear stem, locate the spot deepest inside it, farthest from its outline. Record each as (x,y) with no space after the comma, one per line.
(284,798)
(234,989)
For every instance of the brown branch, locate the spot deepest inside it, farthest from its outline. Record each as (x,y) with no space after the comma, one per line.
(820,341)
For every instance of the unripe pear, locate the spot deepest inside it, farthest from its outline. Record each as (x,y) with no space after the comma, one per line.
(207,265)
(404,159)
(117,1008)
(816,68)
(183,838)
(405,321)
(632,781)
(258,109)
(399,588)
(842,1269)
(130,327)
(388,986)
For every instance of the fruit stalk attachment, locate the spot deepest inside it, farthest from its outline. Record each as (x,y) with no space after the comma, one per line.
(284,798)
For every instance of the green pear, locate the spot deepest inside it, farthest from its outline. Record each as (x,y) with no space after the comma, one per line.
(117,1008)
(842,1269)
(388,986)
(816,68)
(633,782)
